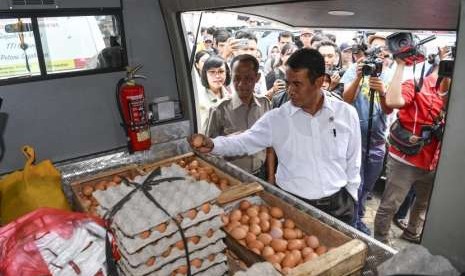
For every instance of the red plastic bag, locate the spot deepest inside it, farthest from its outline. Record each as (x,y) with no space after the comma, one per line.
(19,254)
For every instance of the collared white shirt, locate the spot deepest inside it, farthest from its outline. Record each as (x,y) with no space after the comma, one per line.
(317,155)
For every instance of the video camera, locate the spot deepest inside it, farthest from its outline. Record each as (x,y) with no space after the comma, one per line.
(372,65)
(446,67)
(408,47)
(360,44)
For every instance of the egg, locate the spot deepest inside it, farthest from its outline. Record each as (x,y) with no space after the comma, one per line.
(243,243)
(197,140)
(245,227)
(265,225)
(267,251)
(194,164)
(244,205)
(295,244)
(150,261)
(297,254)
(235,215)
(306,251)
(286,270)
(254,228)
(280,256)
(298,233)
(275,223)
(225,219)
(244,219)
(210,233)
(161,227)
(111,184)
(93,211)
(206,208)
(312,241)
(279,245)
(209,170)
(276,212)
(264,216)
(232,225)
(250,237)
(238,233)
(144,235)
(182,269)
(93,201)
(196,176)
(264,209)
(101,186)
(256,251)
(320,250)
(87,190)
(277,266)
(117,179)
(182,163)
(191,214)
(289,261)
(166,253)
(271,258)
(252,212)
(289,234)
(289,223)
(254,220)
(211,257)
(214,178)
(223,182)
(86,203)
(265,238)
(194,239)
(276,233)
(180,244)
(197,263)
(310,256)
(256,244)
(204,176)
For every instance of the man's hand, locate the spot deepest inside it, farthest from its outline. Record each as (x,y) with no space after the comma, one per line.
(278,85)
(360,66)
(377,84)
(200,143)
(335,78)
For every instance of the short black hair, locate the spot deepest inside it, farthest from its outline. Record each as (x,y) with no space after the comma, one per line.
(316,38)
(326,42)
(285,34)
(309,59)
(330,36)
(245,35)
(246,58)
(221,35)
(215,62)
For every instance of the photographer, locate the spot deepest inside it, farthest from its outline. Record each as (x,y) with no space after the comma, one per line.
(330,52)
(357,92)
(413,162)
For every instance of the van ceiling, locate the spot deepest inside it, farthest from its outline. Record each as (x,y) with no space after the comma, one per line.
(374,14)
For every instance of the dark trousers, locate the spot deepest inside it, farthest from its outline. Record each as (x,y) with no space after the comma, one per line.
(408,202)
(340,205)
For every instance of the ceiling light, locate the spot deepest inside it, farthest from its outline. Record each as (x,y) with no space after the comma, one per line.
(341,13)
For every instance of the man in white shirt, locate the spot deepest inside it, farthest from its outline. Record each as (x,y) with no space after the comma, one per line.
(316,138)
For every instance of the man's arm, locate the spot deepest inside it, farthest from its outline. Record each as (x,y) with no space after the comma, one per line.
(351,89)
(378,85)
(270,165)
(354,155)
(394,97)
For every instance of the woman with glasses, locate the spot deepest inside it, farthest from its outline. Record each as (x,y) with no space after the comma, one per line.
(215,77)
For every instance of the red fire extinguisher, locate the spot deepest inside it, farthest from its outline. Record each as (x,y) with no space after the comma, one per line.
(130,99)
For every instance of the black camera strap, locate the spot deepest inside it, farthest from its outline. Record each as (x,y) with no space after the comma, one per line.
(418,85)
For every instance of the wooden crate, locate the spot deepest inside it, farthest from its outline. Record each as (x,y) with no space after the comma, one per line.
(347,257)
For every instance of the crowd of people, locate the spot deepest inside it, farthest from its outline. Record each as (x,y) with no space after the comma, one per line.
(308,118)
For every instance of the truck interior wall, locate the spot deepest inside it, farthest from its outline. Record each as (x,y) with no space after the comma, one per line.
(444,232)
(71,117)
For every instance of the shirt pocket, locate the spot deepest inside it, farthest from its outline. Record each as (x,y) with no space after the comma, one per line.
(339,145)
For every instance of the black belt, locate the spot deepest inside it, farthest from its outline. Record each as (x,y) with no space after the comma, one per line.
(321,201)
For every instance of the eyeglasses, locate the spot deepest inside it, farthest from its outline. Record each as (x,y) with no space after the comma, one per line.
(216,72)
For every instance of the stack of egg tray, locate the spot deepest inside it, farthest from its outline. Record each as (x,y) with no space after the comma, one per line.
(149,240)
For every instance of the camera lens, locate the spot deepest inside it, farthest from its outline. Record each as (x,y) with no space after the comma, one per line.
(403,42)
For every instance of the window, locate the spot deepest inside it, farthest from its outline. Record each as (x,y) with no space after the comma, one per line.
(42,46)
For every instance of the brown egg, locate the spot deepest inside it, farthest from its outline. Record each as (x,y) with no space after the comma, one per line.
(250,237)
(252,212)
(180,244)
(320,250)
(267,252)
(111,184)
(117,179)
(244,205)
(93,211)
(194,164)
(235,215)
(277,266)
(206,208)
(276,233)
(166,253)
(265,225)
(254,228)
(295,244)
(197,263)
(214,178)
(271,258)
(192,213)
(93,201)
(238,233)
(279,245)
(256,244)
(178,218)
(264,216)
(144,235)
(289,234)
(245,227)
(306,251)
(276,212)
(245,219)
(224,181)
(232,225)
(281,256)
(297,254)
(286,270)
(210,233)
(310,256)
(86,203)
(223,186)
(196,175)
(182,163)
(161,227)
(298,233)
(194,239)
(312,241)
(243,243)
(211,257)
(101,186)
(150,261)
(289,223)
(209,170)
(275,223)
(289,261)
(204,176)
(264,209)
(265,238)
(182,269)
(254,220)
(256,251)
(87,190)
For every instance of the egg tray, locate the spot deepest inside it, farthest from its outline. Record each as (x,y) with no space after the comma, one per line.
(139,214)
(263,268)
(133,244)
(163,245)
(168,268)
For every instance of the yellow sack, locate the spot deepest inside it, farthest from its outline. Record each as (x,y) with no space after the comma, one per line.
(36,186)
